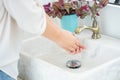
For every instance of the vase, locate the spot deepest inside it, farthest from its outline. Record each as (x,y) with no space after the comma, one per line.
(69,22)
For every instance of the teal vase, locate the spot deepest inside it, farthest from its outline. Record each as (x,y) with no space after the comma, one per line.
(69,22)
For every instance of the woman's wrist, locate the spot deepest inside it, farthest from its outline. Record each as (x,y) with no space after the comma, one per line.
(53,31)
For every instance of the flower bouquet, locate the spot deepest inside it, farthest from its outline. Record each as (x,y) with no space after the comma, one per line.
(74,8)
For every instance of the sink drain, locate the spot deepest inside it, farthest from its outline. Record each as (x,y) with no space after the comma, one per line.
(73,64)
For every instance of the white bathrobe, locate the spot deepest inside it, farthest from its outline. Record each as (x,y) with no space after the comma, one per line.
(17,17)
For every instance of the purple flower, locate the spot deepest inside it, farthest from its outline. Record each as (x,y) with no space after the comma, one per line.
(47,7)
(79,7)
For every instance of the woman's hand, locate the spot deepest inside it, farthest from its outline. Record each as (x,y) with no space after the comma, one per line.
(68,42)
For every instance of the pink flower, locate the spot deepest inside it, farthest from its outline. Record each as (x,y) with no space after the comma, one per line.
(47,7)
(85,8)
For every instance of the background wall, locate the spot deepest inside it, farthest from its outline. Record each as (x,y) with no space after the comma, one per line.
(110,21)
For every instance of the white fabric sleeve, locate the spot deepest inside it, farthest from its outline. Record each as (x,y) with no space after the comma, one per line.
(29,15)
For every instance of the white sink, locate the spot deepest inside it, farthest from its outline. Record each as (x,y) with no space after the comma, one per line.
(42,59)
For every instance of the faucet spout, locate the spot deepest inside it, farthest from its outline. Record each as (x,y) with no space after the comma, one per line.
(81,28)
(94,28)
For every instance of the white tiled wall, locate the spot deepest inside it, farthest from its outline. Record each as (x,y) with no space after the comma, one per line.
(110,21)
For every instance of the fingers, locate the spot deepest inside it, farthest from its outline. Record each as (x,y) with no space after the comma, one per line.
(70,43)
(73,50)
(80,45)
(76,48)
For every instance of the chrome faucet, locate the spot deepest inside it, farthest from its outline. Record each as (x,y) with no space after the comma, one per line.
(94,28)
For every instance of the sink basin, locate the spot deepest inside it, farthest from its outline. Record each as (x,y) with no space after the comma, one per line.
(41,59)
